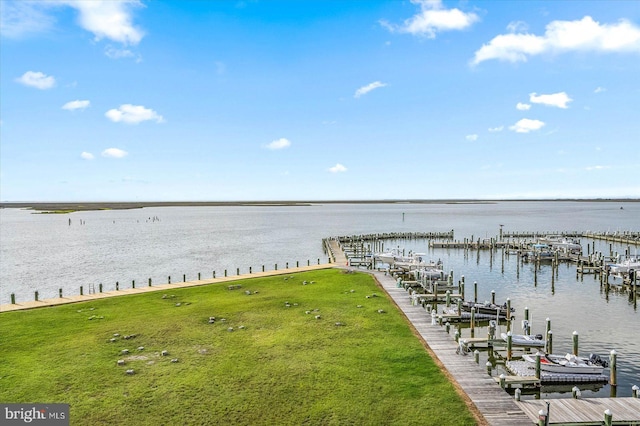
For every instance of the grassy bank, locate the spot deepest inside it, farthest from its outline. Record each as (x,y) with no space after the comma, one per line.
(279,365)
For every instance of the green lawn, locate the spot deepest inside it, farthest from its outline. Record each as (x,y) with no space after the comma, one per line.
(279,366)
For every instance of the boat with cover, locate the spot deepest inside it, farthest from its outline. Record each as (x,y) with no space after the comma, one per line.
(526,339)
(487,308)
(569,363)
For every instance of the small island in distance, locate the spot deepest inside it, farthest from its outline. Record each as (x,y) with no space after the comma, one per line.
(68,207)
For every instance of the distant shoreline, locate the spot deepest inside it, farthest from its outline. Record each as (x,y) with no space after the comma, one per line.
(68,207)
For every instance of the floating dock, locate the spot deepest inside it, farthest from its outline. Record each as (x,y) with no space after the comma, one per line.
(525,369)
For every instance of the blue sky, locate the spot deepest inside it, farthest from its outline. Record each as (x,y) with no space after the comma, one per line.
(304,100)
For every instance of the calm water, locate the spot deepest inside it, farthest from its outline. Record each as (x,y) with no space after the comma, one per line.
(43,252)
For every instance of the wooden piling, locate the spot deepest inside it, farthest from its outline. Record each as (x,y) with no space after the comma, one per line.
(613,368)
(575,343)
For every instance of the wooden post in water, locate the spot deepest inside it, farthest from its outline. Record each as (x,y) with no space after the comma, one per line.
(475,291)
(473,321)
(509,346)
(546,333)
(549,343)
(448,298)
(635,391)
(613,367)
(459,307)
(537,365)
(462,289)
(575,343)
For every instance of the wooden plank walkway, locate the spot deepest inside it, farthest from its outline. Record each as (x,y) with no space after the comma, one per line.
(495,405)
(585,411)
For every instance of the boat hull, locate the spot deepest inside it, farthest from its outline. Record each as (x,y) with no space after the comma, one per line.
(561,365)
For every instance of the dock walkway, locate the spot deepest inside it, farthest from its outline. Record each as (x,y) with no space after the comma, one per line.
(587,411)
(496,406)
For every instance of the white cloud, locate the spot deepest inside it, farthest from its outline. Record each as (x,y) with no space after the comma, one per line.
(87,155)
(591,168)
(563,36)
(471,138)
(526,125)
(559,100)
(114,153)
(22,18)
(37,79)
(109,19)
(279,144)
(74,105)
(433,18)
(115,53)
(133,114)
(522,107)
(496,129)
(517,27)
(599,90)
(369,87)
(338,168)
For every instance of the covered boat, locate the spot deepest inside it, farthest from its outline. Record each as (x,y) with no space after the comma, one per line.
(569,363)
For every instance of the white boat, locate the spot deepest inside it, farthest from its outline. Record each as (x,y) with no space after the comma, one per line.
(566,245)
(527,340)
(391,257)
(568,364)
(625,266)
(417,261)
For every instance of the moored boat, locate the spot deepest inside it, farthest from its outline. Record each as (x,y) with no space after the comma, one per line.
(527,340)
(568,364)
(488,308)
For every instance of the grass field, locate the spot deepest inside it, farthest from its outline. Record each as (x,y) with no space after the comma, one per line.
(357,364)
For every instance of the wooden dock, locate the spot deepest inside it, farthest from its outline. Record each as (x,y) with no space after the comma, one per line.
(590,411)
(496,406)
